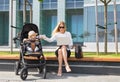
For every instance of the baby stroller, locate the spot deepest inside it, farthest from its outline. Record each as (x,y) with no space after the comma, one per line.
(25,62)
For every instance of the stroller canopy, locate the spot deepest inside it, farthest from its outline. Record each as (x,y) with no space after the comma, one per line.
(26,28)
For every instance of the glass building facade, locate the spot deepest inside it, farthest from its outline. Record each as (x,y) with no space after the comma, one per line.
(4,22)
(48,18)
(90,21)
(19,14)
(79,16)
(73,17)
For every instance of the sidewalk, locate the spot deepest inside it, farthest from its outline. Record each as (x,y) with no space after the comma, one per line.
(51,77)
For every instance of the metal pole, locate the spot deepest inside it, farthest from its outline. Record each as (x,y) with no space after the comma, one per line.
(115,27)
(24,11)
(96,15)
(11,51)
(30,13)
(30,10)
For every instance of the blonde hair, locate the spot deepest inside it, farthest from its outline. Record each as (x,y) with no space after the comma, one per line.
(57,27)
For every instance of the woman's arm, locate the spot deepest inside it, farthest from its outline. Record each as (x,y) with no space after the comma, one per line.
(48,39)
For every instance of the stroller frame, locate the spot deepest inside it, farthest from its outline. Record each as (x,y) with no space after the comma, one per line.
(24,64)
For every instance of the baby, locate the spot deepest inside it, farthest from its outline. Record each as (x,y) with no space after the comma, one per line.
(33,41)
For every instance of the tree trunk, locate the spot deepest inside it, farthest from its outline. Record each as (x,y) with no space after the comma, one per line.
(96,14)
(105,2)
(115,27)
(105,23)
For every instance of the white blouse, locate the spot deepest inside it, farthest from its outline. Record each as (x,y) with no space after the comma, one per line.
(59,34)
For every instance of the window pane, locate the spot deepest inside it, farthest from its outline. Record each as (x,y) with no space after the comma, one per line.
(78,0)
(1,1)
(69,0)
(45,0)
(6,1)
(30,1)
(53,0)
(54,22)
(70,5)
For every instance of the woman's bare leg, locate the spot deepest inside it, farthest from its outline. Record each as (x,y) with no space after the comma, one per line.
(60,60)
(64,53)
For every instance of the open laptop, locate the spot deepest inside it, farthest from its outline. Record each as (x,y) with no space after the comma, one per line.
(63,41)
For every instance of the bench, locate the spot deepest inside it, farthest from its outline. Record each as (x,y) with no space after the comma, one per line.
(94,59)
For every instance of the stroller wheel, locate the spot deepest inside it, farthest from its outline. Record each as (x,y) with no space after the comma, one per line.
(24,73)
(43,71)
(17,67)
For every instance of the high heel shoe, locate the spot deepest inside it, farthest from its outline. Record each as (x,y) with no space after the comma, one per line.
(68,69)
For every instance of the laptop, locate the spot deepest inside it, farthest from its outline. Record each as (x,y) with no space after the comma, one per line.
(63,41)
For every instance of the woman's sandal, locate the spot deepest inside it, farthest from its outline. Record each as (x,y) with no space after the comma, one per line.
(68,69)
(59,72)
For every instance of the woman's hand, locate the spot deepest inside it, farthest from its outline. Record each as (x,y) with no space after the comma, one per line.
(25,40)
(42,36)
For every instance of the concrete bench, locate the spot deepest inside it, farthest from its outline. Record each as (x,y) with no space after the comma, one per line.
(97,59)
(85,65)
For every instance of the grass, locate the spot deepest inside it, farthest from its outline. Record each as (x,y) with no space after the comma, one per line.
(101,54)
(85,54)
(8,53)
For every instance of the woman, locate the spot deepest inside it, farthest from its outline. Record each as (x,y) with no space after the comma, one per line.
(63,52)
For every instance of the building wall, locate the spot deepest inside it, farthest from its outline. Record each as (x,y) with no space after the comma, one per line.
(4,30)
(49,15)
(4,22)
(79,16)
(70,11)
(90,25)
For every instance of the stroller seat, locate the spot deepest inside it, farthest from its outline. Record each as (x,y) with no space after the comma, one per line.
(33,47)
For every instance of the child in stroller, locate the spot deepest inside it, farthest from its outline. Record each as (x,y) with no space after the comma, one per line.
(32,42)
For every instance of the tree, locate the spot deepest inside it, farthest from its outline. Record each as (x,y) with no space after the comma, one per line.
(40,0)
(105,2)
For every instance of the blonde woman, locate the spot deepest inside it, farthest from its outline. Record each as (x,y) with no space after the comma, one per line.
(63,51)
